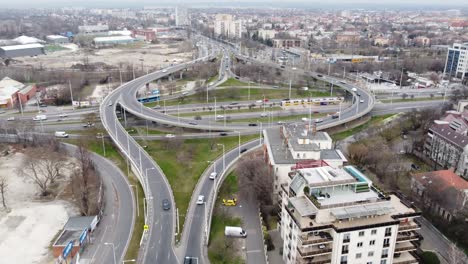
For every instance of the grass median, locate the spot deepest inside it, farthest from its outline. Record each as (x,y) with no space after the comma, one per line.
(184,160)
(349,132)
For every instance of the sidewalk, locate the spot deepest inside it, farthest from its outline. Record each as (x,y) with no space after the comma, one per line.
(274,256)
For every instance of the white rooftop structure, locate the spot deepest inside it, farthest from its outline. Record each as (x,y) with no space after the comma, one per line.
(27,40)
(113,38)
(25,46)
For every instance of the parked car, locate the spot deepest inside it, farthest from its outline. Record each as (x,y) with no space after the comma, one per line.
(11,118)
(170,136)
(201,199)
(166,205)
(230,202)
(415,167)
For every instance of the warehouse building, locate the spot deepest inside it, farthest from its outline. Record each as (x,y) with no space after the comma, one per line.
(8,52)
(57,39)
(112,41)
(12,92)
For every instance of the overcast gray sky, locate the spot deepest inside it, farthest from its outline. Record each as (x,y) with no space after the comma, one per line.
(266,3)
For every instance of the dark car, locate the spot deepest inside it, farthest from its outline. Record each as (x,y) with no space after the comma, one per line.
(187,260)
(358,94)
(166,205)
(253,124)
(42,105)
(223,134)
(193,123)
(243,150)
(319,75)
(415,167)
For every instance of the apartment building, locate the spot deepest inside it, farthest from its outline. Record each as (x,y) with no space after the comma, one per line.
(447,142)
(226,26)
(297,146)
(337,216)
(456,63)
(182,16)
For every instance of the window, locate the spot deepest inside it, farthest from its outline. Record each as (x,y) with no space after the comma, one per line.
(358,255)
(346,238)
(386,242)
(388,231)
(370,254)
(359,244)
(361,233)
(372,242)
(344,260)
(383,261)
(344,249)
(373,231)
(385,253)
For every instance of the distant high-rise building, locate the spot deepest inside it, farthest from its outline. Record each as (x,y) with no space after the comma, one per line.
(456,63)
(226,26)
(181,16)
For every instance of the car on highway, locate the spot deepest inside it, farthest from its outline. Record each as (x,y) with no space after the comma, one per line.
(233,103)
(170,136)
(280,122)
(42,105)
(361,101)
(164,71)
(318,120)
(187,260)
(259,101)
(219,117)
(213,175)
(243,150)
(263,114)
(275,86)
(343,82)
(110,103)
(230,202)
(166,205)
(319,75)
(253,124)
(201,199)
(358,94)
(63,115)
(61,134)
(11,118)
(193,123)
(223,134)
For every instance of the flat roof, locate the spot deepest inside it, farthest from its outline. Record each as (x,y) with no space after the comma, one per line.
(79,222)
(323,176)
(56,37)
(67,236)
(362,210)
(346,195)
(303,206)
(20,47)
(112,38)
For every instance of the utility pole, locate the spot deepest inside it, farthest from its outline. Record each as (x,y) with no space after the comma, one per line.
(71,94)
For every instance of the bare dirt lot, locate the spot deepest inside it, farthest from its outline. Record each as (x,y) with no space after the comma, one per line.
(150,55)
(29,224)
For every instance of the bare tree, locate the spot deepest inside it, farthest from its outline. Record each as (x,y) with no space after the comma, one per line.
(253,177)
(456,255)
(31,169)
(3,189)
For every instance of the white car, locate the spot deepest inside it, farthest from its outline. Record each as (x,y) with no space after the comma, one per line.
(259,101)
(213,175)
(164,70)
(63,115)
(201,199)
(12,118)
(219,117)
(362,101)
(263,115)
(110,103)
(170,136)
(319,120)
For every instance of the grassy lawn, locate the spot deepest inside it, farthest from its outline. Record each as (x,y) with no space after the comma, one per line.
(194,156)
(274,119)
(242,94)
(233,111)
(373,121)
(217,251)
(53,48)
(212,79)
(113,155)
(141,131)
(233,82)
(418,99)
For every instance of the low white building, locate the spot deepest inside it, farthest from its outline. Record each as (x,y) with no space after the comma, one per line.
(112,41)
(57,39)
(336,215)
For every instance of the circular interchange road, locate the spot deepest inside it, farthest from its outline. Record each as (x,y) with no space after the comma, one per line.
(159,241)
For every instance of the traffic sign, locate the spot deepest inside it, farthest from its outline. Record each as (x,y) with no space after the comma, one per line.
(146,227)
(67,250)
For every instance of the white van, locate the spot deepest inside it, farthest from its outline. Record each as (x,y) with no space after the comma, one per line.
(234,231)
(40,118)
(61,134)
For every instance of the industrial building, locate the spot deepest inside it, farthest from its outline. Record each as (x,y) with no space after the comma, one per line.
(13,92)
(337,216)
(144,34)
(9,52)
(112,41)
(57,39)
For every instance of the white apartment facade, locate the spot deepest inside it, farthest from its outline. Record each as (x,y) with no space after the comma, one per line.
(336,216)
(456,63)
(226,26)
(181,16)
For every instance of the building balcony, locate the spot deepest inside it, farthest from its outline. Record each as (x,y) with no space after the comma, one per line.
(324,259)
(311,251)
(315,239)
(407,236)
(405,258)
(404,247)
(409,226)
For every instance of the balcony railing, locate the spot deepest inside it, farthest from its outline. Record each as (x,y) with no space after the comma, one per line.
(313,252)
(313,261)
(310,240)
(412,247)
(401,238)
(406,227)
(405,261)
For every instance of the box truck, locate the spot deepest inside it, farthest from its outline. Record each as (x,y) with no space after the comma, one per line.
(40,118)
(234,231)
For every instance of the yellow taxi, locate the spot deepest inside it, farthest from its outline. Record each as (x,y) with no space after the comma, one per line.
(230,202)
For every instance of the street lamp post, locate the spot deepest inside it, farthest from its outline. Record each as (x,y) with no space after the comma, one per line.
(103,145)
(248,98)
(178,112)
(224,157)
(113,250)
(239,141)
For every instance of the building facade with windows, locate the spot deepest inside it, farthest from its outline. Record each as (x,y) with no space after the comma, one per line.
(226,26)
(456,63)
(337,216)
(182,16)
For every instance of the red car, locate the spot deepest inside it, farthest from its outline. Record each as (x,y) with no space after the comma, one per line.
(265,100)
